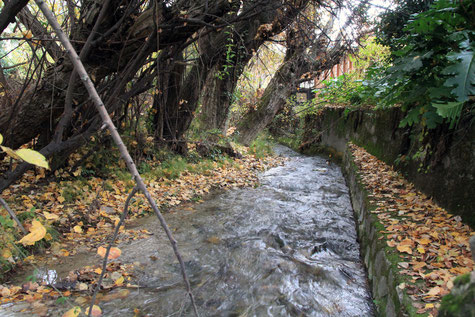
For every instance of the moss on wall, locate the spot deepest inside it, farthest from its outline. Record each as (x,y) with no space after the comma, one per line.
(461,301)
(380,260)
(439,162)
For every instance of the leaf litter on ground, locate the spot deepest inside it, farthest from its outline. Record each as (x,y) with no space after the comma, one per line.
(86,222)
(432,244)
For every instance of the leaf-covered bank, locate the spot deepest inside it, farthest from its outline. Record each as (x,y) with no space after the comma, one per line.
(79,211)
(436,161)
(413,249)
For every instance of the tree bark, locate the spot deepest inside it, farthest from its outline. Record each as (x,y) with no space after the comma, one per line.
(227,54)
(298,61)
(9,11)
(274,99)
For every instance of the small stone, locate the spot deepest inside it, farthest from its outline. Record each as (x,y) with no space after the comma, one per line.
(472,246)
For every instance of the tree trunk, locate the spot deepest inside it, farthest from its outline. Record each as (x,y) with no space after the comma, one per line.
(9,11)
(274,98)
(234,52)
(284,83)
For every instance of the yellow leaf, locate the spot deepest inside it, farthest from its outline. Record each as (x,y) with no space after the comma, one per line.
(10,152)
(77,172)
(37,232)
(424,241)
(98,271)
(1,139)
(114,253)
(428,306)
(96,311)
(64,252)
(33,157)
(6,253)
(119,281)
(77,229)
(73,312)
(421,250)
(50,216)
(61,199)
(404,248)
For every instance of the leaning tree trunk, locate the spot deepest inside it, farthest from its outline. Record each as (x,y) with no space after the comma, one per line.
(297,62)
(216,100)
(233,54)
(274,99)
(120,48)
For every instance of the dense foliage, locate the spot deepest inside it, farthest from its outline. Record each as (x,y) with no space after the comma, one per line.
(351,89)
(433,74)
(390,26)
(430,70)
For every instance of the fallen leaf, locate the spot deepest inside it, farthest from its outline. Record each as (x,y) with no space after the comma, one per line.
(82,287)
(404,248)
(5,292)
(435,291)
(96,311)
(50,216)
(114,252)
(424,241)
(391,243)
(37,232)
(73,312)
(119,281)
(81,300)
(77,229)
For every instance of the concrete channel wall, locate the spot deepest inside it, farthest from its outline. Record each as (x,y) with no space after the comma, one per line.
(440,162)
(381,271)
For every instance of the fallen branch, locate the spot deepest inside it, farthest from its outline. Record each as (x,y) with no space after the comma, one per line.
(115,136)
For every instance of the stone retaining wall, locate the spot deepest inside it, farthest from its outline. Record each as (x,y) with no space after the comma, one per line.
(389,299)
(440,162)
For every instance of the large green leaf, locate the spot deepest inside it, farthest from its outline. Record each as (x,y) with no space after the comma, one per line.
(462,80)
(450,110)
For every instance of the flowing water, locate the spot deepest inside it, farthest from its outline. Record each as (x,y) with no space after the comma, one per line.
(286,248)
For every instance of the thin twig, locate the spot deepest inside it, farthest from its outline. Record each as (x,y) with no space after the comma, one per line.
(116,137)
(12,214)
(111,243)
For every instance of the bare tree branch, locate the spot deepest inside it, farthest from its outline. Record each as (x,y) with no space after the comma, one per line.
(111,243)
(12,214)
(116,137)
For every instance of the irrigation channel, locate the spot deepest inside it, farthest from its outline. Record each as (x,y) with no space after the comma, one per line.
(286,248)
